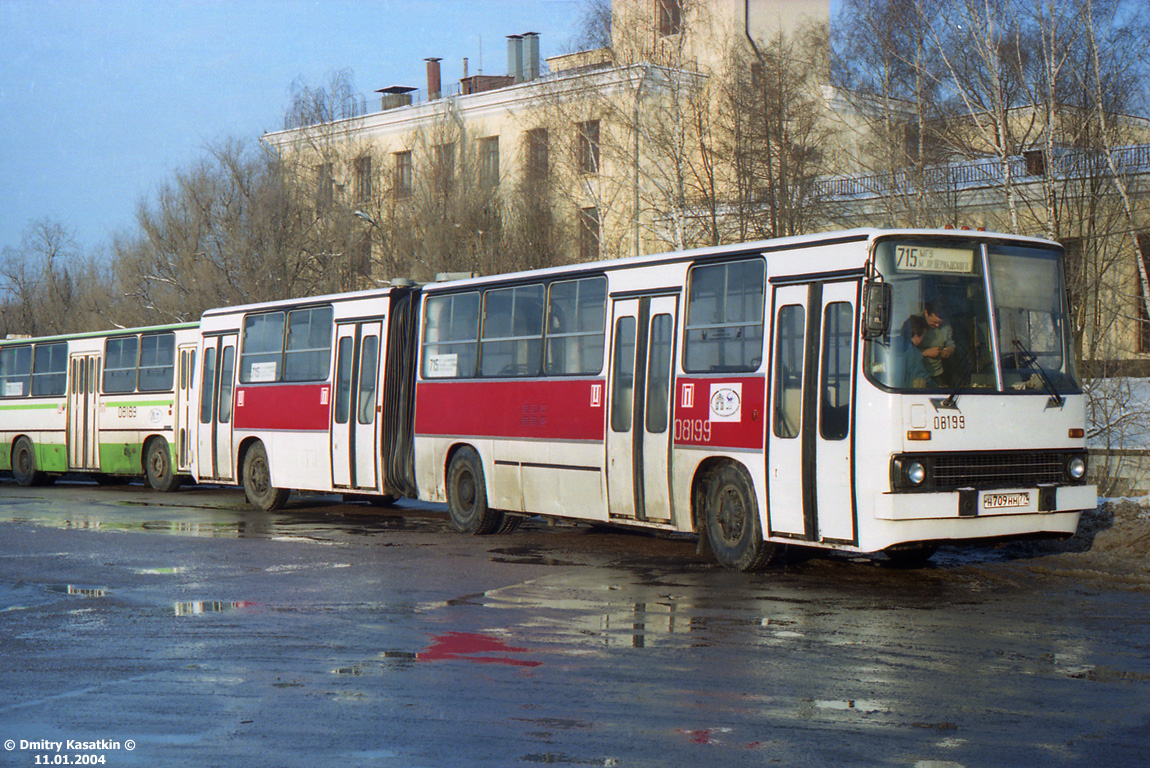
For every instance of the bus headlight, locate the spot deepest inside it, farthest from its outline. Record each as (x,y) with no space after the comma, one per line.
(1076,467)
(914,472)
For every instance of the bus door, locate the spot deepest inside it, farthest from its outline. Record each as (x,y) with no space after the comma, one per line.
(810,445)
(355,407)
(185,406)
(217,380)
(639,404)
(83,407)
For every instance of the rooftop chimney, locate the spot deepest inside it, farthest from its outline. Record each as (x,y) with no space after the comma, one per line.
(434,90)
(515,57)
(530,67)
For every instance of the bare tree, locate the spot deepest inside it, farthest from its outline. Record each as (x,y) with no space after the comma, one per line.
(39,282)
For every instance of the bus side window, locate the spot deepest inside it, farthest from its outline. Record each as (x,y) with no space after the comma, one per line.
(15,371)
(838,348)
(227,372)
(120,364)
(512,331)
(308,353)
(789,347)
(157,362)
(725,317)
(368,374)
(451,336)
(576,321)
(50,370)
(208,388)
(623,378)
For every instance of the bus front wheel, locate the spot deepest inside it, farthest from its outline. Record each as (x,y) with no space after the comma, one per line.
(158,466)
(467,495)
(258,481)
(733,522)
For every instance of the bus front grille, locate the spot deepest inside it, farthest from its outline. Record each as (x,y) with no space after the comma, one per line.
(1003,469)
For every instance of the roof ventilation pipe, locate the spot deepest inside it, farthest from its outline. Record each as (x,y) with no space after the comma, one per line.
(530,67)
(434,89)
(515,57)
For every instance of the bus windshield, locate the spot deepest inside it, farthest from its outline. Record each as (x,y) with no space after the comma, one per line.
(947,295)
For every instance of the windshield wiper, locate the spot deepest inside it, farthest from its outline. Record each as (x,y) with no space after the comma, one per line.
(1031,361)
(952,397)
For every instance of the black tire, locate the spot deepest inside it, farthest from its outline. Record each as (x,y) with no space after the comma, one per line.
(509,525)
(732,517)
(467,495)
(911,557)
(24,464)
(258,481)
(158,466)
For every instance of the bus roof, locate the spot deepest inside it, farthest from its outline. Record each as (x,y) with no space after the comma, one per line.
(98,334)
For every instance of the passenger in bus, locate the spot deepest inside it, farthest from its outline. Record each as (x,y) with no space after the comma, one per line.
(938,344)
(911,369)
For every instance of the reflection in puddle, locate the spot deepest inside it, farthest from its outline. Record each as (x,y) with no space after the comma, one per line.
(197,607)
(553,758)
(859,705)
(73,589)
(469,646)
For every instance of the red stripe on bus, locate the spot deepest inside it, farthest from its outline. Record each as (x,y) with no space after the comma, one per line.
(729,412)
(283,406)
(551,409)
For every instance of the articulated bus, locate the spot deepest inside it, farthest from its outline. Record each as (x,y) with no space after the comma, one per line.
(863,391)
(112,404)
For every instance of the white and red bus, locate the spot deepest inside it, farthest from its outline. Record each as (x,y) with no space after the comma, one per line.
(111,404)
(763,394)
(869,390)
(309,394)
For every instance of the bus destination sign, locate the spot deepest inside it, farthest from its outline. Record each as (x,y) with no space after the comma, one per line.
(917,258)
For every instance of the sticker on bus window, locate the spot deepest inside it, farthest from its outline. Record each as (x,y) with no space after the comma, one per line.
(726,402)
(916,258)
(263,372)
(442,366)
(13,389)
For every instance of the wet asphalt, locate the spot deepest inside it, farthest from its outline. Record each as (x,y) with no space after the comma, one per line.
(332,634)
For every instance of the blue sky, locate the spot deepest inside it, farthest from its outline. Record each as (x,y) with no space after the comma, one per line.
(101,101)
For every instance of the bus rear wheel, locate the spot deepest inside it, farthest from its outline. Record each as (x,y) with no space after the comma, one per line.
(258,481)
(732,520)
(467,495)
(158,466)
(24,464)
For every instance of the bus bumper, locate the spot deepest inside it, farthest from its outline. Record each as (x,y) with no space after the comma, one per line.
(976,504)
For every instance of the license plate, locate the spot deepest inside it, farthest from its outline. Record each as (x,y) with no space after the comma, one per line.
(1005,500)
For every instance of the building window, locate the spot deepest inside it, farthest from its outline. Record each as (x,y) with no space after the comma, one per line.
(589,146)
(403,178)
(589,234)
(443,155)
(670,16)
(363,179)
(324,186)
(538,159)
(489,161)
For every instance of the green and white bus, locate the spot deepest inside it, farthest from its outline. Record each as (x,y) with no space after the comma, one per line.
(111,404)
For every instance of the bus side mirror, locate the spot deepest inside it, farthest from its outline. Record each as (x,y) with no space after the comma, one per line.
(876,309)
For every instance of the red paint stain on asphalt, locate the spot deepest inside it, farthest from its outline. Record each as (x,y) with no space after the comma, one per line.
(469,646)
